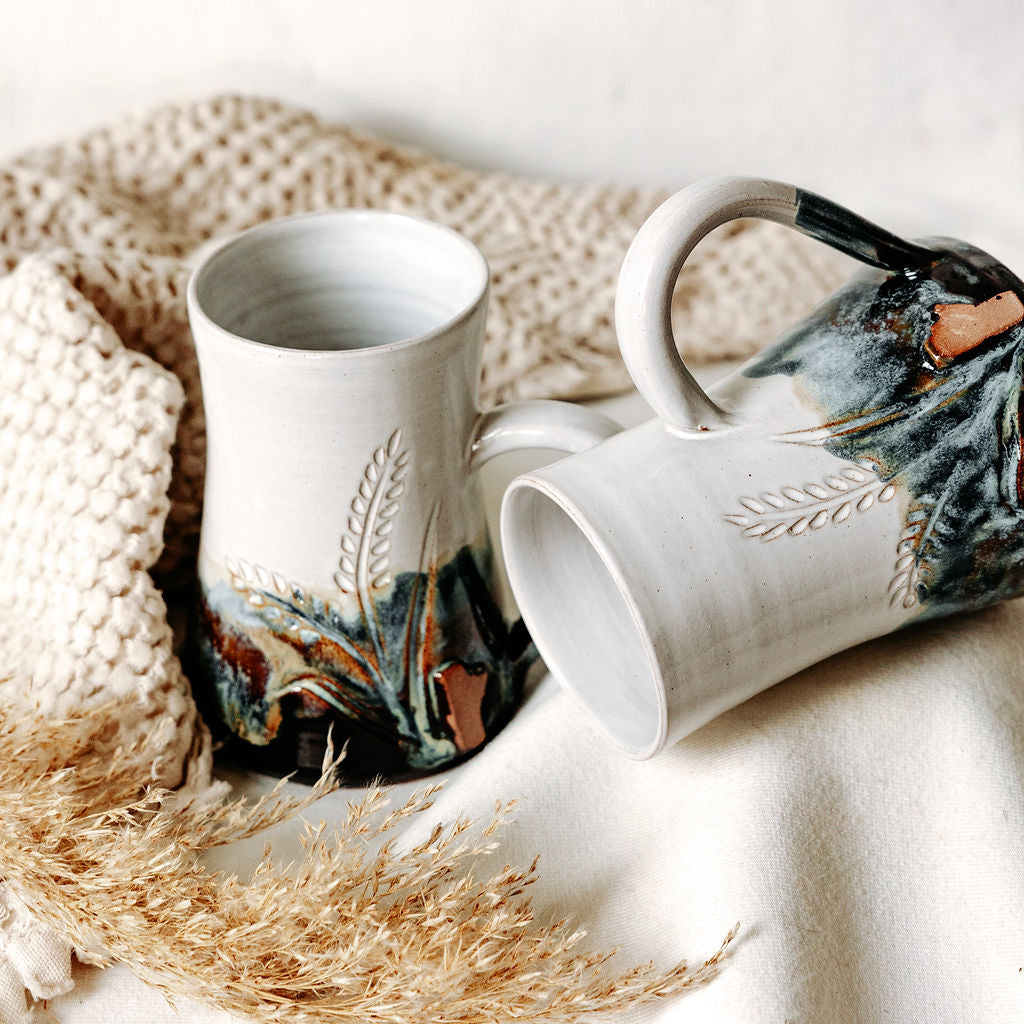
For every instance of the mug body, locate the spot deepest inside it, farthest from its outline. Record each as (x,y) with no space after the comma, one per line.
(866,472)
(345,568)
(654,579)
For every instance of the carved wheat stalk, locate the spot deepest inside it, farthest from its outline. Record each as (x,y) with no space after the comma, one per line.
(418,639)
(903,585)
(286,605)
(911,569)
(853,488)
(365,562)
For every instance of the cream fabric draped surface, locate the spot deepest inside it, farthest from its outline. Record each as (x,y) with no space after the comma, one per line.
(863,821)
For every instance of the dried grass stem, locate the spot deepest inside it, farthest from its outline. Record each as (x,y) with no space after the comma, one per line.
(354,930)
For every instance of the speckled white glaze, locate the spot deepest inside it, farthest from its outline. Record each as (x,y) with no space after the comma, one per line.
(684,565)
(319,337)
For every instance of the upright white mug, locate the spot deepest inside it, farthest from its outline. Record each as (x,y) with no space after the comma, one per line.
(345,568)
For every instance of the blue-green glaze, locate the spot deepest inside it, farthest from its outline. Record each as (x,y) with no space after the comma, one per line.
(430,640)
(949,434)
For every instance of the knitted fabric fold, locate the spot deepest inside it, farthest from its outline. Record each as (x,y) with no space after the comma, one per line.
(86,428)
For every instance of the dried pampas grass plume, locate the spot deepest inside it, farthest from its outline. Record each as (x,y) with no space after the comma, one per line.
(356,930)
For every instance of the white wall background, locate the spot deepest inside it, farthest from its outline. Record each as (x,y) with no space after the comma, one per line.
(912,112)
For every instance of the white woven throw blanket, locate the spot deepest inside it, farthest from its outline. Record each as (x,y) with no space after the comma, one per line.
(101,426)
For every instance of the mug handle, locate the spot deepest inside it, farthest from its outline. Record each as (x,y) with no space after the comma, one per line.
(538,423)
(534,423)
(643,301)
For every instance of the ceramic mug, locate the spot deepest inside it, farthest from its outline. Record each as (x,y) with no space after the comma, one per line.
(345,569)
(863,473)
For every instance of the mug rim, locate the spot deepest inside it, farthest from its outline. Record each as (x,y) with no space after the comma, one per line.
(198,314)
(544,487)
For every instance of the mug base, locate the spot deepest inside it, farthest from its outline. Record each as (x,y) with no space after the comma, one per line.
(300,746)
(472,698)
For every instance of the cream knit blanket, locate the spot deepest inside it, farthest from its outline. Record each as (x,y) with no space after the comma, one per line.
(102,445)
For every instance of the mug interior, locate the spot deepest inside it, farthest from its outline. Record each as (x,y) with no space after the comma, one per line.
(582,618)
(349,279)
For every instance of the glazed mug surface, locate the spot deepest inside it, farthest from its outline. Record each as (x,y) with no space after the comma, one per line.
(862,473)
(345,569)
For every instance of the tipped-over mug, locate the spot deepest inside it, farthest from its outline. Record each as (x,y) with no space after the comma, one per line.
(863,473)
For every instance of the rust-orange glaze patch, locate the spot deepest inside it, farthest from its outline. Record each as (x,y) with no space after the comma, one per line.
(961,326)
(464,692)
(237,649)
(274,717)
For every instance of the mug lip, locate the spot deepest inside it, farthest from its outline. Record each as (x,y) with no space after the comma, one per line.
(197,314)
(531,481)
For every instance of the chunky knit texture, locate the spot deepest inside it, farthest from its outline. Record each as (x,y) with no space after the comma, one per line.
(121,213)
(86,428)
(101,425)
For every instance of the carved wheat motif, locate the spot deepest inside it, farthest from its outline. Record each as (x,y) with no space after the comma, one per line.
(245,575)
(381,669)
(278,598)
(853,488)
(365,561)
(910,569)
(286,603)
